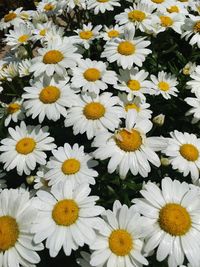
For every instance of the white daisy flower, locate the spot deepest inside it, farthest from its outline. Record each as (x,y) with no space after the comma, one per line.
(194,84)
(2,181)
(164,84)
(92,114)
(111,32)
(120,240)
(172,219)
(101,6)
(164,21)
(55,58)
(139,16)
(47,97)
(183,151)
(24,67)
(189,68)
(127,51)
(178,8)
(41,30)
(10,71)
(72,164)
(49,7)
(160,5)
(134,83)
(16,242)
(15,111)
(191,30)
(66,217)
(141,107)
(86,35)
(71,4)
(129,148)
(25,147)
(21,35)
(10,19)
(39,179)
(194,102)
(92,76)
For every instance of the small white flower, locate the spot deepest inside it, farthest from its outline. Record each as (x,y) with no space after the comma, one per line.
(101,6)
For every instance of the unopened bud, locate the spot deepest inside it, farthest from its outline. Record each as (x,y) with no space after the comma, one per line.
(30,179)
(164,161)
(159,120)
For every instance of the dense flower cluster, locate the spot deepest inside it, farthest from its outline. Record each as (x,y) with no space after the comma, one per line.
(99,129)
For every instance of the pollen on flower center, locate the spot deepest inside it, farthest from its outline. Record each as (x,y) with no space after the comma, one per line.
(126,48)
(197,26)
(174,219)
(13,107)
(136,15)
(71,166)
(9,232)
(134,85)
(86,35)
(23,38)
(113,33)
(65,212)
(92,74)
(166,21)
(173,9)
(10,16)
(43,32)
(48,7)
(25,145)
(158,1)
(52,57)
(49,94)
(132,106)
(102,1)
(120,242)
(163,86)
(189,152)
(94,111)
(128,140)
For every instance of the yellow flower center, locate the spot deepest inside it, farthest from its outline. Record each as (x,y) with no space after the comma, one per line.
(43,32)
(173,9)
(120,242)
(134,85)
(158,1)
(94,111)
(166,21)
(71,166)
(136,15)
(52,57)
(163,86)
(86,35)
(128,140)
(9,232)
(10,16)
(13,107)
(174,219)
(23,38)
(197,26)
(102,1)
(186,71)
(113,34)
(183,1)
(48,7)
(25,145)
(92,74)
(126,48)
(65,212)
(49,94)
(189,152)
(132,106)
